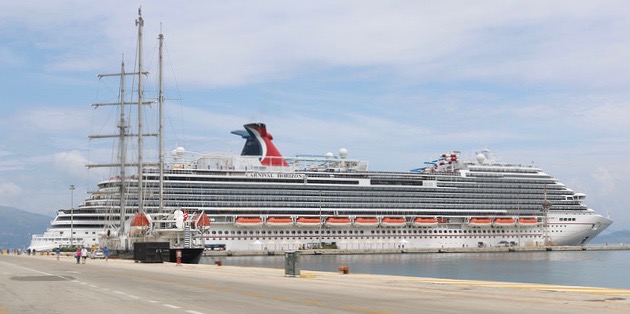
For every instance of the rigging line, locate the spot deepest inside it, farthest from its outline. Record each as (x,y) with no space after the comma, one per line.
(181,102)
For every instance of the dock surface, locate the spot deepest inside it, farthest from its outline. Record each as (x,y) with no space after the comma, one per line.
(43,284)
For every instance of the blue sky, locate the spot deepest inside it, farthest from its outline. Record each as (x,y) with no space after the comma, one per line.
(394,82)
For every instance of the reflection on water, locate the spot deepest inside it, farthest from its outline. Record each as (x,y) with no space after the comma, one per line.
(582,268)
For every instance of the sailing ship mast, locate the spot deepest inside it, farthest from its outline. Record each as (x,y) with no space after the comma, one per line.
(161,123)
(140,24)
(123,133)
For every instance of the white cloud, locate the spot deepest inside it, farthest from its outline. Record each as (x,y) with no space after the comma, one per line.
(72,162)
(53,119)
(9,189)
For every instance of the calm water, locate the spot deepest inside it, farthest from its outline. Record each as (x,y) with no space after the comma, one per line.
(582,268)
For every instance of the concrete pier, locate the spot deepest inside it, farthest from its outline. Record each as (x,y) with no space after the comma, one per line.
(43,284)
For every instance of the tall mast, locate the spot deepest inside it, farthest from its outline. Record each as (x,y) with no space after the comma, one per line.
(122,126)
(161,126)
(140,24)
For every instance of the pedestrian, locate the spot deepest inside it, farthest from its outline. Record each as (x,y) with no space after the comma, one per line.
(78,255)
(84,254)
(106,252)
(57,252)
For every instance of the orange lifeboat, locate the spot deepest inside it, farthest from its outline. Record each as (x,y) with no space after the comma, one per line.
(337,221)
(248,222)
(139,224)
(505,221)
(140,220)
(393,222)
(365,222)
(201,220)
(425,222)
(480,222)
(528,222)
(308,221)
(279,221)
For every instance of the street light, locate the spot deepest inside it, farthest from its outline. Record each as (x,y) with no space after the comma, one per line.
(71,215)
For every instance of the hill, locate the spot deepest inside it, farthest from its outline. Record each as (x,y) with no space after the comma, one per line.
(622,236)
(17,226)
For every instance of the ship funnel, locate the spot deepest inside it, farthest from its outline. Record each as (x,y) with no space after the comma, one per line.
(259,143)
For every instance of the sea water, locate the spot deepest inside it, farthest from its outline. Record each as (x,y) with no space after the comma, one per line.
(610,269)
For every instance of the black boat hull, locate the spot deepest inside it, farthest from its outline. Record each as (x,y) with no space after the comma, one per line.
(189,255)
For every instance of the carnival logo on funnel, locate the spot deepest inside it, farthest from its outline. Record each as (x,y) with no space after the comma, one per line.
(259,143)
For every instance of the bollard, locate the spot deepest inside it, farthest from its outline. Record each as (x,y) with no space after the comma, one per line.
(218,263)
(178,257)
(344,269)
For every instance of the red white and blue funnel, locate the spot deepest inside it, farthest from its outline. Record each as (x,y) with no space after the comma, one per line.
(259,143)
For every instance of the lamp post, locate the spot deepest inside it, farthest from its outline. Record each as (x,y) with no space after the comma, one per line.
(71,215)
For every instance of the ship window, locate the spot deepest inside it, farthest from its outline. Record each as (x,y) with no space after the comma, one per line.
(220,232)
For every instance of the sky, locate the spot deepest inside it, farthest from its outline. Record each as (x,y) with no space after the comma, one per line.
(394,82)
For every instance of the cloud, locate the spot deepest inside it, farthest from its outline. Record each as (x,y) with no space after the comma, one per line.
(235,44)
(72,162)
(9,189)
(53,119)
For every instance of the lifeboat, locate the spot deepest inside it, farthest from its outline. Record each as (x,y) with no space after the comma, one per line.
(248,222)
(308,222)
(425,222)
(528,222)
(201,220)
(139,224)
(393,222)
(505,221)
(279,221)
(480,222)
(337,221)
(365,222)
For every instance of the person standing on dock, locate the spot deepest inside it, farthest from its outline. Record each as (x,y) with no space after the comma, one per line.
(57,252)
(106,253)
(78,255)
(84,254)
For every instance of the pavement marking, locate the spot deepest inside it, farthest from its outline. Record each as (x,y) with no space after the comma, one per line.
(93,286)
(119,292)
(133,296)
(152,301)
(171,306)
(281,298)
(363,310)
(526,286)
(193,312)
(312,302)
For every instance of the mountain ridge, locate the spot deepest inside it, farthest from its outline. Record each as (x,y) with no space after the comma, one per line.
(17,226)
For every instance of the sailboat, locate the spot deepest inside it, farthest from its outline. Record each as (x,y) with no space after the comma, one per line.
(170,228)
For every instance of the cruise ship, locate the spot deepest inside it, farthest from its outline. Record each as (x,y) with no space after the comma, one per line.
(261,200)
